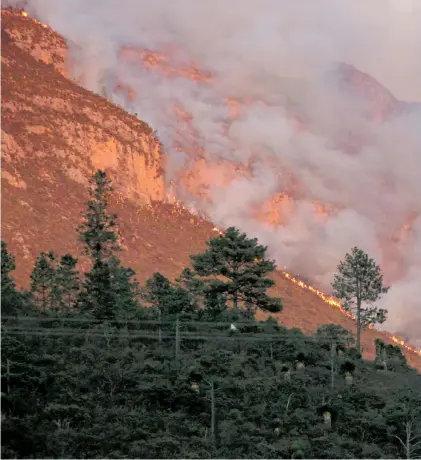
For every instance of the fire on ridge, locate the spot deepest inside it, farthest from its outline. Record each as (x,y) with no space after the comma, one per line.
(25,15)
(335,303)
(202,169)
(159,61)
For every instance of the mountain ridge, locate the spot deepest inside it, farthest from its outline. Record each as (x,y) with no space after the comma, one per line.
(47,159)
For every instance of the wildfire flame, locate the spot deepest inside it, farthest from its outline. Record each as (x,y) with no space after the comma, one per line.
(25,15)
(335,303)
(189,140)
(162,63)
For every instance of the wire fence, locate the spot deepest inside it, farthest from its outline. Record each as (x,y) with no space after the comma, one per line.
(155,330)
(233,338)
(122,321)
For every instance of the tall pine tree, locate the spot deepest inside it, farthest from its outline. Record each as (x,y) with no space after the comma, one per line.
(99,230)
(236,267)
(108,288)
(359,283)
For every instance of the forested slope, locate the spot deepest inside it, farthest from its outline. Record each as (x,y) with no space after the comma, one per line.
(96,366)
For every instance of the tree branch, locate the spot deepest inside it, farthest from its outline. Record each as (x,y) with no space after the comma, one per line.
(400,440)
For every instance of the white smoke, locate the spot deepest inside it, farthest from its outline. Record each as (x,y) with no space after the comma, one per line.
(274,52)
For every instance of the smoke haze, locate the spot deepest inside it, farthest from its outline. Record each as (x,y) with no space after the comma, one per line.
(331,153)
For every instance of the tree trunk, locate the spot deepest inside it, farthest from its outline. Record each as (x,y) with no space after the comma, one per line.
(410,442)
(327,418)
(213,413)
(235,293)
(332,365)
(177,338)
(8,376)
(358,322)
(249,310)
(159,326)
(44,299)
(235,303)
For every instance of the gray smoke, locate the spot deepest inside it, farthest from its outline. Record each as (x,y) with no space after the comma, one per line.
(282,55)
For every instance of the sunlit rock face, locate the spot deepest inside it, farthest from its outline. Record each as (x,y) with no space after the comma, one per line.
(47,118)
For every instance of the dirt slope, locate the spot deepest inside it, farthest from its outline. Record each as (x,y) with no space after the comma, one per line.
(55,133)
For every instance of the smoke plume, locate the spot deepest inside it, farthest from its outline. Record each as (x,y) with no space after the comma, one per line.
(267,123)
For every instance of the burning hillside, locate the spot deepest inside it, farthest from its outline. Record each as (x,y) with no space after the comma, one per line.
(264,130)
(283,154)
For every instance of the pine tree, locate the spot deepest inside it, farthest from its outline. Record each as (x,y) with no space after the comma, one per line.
(7,265)
(10,298)
(99,234)
(215,304)
(242,264)
(99,229)
(169,301)
(108,290)
(67,281)
(97,297)
(359,283)
(125,289)
(192,283)
(167,298)
(43,281)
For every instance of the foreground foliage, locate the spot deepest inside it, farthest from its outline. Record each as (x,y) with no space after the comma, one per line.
(106,369)
(76,388)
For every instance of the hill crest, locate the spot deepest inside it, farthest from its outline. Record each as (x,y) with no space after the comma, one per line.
(55,133)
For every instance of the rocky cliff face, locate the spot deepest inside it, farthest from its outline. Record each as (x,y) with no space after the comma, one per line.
(49,119)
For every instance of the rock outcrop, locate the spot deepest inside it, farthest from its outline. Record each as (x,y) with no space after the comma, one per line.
(47,118)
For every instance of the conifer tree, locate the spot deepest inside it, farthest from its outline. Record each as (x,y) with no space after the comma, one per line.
(125,288)
(99,230)
(192,283)
(97,297)
(43,281)
(7,265)
(215,304)
(99,234)
(358,284)
(241,263)
(10,298)
(67,279)
(167,298)
(108,288)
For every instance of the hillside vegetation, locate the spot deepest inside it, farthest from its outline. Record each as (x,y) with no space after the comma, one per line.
(96,366)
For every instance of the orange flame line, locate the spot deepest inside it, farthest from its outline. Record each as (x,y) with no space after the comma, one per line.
(335,303)
(25,15)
